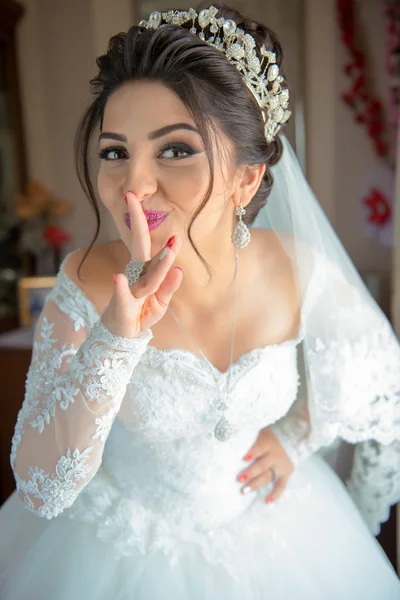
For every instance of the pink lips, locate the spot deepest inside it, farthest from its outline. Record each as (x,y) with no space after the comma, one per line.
(154,218)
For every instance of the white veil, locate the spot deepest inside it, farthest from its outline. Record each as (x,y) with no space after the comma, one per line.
(350,370)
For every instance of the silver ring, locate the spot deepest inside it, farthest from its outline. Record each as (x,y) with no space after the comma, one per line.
(133,270)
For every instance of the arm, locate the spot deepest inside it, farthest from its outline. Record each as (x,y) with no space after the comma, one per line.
(293,432)
(74,389)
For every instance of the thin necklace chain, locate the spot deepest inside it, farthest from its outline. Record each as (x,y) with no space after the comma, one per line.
(223,429)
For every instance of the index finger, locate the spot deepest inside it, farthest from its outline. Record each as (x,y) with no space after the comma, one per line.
(260,446)
(140,236)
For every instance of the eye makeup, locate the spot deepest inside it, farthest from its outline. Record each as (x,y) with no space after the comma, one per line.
(177,147)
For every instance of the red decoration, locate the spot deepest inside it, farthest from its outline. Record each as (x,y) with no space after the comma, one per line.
(392,14)
(380,209)
(56,236)
(359,97)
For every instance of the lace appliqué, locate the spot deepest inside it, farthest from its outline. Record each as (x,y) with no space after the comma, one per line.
(104,425)
(355,384)
(105,363)
(355,376)
(97,372)
(293,433)
(131,527)
(71,300)
(58,490)
(374,482)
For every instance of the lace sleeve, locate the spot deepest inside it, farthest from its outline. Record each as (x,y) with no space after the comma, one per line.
(74,388)
(352,361)
(374,481)
(294,432)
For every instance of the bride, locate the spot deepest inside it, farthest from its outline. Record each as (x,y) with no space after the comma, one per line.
(186,376)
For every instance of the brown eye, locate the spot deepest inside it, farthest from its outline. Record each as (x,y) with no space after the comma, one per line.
(112,154)
(177,151)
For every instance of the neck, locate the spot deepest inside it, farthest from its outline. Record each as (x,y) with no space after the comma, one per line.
(199,293)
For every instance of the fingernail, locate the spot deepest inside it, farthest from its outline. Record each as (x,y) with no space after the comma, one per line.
(269,499)
(115,277)
(171,241)
(248,457)
(243,477)
(246,490)
(163,253)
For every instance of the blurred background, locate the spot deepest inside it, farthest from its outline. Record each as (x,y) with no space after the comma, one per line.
(342,59)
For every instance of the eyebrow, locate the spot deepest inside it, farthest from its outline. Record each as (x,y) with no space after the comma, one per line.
(152,136)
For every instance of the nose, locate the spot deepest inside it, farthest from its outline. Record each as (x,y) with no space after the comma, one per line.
(140,179)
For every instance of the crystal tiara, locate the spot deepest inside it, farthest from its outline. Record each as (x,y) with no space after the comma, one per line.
(240,50)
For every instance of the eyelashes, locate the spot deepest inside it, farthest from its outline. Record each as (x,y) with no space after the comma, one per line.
(182,148)
(104,153)
(120,152)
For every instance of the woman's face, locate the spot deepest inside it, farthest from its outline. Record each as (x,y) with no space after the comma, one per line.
(150,146)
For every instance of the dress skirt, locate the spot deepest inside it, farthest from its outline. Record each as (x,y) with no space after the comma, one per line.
(311,544)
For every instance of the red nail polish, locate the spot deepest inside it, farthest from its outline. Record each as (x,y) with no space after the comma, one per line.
(248,457)
(171,241)
(269,499)
(115,277)
(243,477)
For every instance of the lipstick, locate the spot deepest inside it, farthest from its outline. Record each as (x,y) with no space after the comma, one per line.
(154,218)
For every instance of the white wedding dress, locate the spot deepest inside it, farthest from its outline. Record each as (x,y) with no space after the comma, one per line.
(124,492)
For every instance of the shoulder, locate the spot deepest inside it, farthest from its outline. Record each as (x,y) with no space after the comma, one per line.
(98,259)
(272,250)
(94,275)
(276,271)
(287,253)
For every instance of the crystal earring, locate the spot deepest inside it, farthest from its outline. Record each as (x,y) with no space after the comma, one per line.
(241,233)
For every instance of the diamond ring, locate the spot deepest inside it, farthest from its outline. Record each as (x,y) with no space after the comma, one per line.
(133,270)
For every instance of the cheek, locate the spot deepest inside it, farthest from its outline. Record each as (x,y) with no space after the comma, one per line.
(189,191)
(187,186)
(107,185)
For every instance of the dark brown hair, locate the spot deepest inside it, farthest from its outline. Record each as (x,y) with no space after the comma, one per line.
(209,86)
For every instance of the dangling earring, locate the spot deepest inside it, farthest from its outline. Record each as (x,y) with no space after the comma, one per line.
(241,233)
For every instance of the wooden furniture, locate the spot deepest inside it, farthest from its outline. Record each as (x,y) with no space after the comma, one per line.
(15,358)
(31,307)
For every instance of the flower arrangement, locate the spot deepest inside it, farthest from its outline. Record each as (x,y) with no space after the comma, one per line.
(38,212)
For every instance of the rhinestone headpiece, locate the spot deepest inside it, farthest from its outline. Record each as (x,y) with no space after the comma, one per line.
(240,50)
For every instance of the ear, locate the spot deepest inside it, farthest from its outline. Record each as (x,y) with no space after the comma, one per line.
(248,183)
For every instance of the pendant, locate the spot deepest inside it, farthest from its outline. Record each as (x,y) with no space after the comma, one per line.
(223,429)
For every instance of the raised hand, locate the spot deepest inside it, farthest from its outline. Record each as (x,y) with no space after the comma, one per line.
(135,308)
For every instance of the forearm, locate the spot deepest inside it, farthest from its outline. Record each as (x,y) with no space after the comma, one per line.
(72,398)
(294,433)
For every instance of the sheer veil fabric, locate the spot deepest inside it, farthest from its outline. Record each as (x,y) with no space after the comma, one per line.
(350,371)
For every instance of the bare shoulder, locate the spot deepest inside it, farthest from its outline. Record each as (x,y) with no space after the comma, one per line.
(277,278)
(284,246)
(269,247)
(95,273)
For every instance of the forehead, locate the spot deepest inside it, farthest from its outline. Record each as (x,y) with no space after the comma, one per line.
(143,106)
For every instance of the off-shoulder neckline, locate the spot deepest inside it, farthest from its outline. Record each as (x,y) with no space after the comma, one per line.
(175,352)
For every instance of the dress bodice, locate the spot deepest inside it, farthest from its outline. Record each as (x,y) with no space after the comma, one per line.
(162,450)
(164,476)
